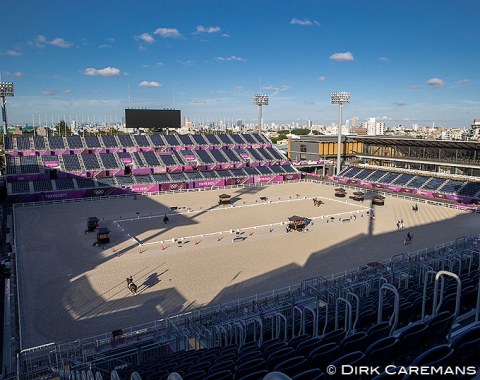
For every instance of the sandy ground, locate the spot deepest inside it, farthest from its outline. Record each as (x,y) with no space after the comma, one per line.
(70,289)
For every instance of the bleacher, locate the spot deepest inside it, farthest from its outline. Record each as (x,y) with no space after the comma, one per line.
(64,184)
(92,142)
(96,156)
(109,141)
(90,161)
(414,181)
(29,164)
(42,185)
(71,163)
(56,142)
(75,142)
(38,143)
(416,309)
(109,161)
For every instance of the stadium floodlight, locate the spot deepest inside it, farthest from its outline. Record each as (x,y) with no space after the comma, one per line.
(339,98)
(260,100)
(6,89)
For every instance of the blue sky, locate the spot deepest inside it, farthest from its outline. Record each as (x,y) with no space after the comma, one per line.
(403,61)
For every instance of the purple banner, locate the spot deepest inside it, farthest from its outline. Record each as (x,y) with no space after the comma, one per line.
(172,186)
(148,188)
(267,178)
(209,183)
(174,169)
(366,184)
(290,177)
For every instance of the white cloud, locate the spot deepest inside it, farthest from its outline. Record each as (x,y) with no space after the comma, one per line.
(104,46)
(187,63)
(105,72)
(198,101)
(342,57)
(435,82)
(383,59)
(149,84)
(48,92)
(276,90)
(146,37)
(304,22)
(168,33)
(226,35)
(155,65)
(58,42)
(16,74)
(321,78)
(238,89)
(67,91)
(13,53)
(207,29)
(464,81)
(231,58)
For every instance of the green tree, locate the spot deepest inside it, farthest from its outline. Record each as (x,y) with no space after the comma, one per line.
(61,129)
(300,131)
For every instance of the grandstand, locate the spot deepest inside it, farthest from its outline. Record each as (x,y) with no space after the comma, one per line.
(32,159)
(465,190)
(225,292)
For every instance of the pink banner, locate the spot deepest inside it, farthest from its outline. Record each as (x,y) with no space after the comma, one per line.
(126,160)
(209,183)
(51,164)
(145,188)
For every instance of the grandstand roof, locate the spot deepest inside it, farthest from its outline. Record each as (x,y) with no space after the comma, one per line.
(417,142)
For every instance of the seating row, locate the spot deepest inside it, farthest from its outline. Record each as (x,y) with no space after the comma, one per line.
(40,143)
(414,181)
(118,160)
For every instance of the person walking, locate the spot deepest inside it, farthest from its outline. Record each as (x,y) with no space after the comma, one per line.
(165,219)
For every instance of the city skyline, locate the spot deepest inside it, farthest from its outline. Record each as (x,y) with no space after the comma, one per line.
(403,61)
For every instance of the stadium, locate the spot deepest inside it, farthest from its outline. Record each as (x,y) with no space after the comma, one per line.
(244,267)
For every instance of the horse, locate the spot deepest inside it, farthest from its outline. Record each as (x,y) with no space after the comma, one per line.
(133,288)
(317,202)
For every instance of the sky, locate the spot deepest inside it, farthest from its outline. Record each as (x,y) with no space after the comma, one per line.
(404,61)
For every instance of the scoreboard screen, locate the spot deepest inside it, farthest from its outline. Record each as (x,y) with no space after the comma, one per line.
(138,118)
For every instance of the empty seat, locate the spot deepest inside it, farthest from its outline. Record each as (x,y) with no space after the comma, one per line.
(355,342)
(292,366)
(378,331)
(465,348)
(411,342)
(323,355)
(250,367)
(438,328)
(382,352)
(310,374)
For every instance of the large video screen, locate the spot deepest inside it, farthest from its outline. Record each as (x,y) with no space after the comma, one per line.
(152,118)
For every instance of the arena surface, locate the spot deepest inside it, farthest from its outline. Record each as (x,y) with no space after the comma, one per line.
(70,289)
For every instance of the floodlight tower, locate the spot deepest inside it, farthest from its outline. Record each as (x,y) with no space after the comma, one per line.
(339,98)
(6,89)
(260,101)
